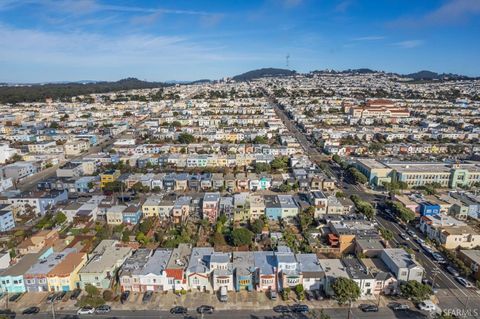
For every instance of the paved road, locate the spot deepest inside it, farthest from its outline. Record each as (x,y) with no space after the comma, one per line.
(334,313)
(450,293)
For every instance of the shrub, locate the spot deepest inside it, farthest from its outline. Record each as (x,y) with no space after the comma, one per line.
(108,295)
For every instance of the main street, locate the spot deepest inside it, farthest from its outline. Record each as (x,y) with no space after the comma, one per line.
(334,313)
(451,295)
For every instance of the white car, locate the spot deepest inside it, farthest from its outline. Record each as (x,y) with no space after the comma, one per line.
(464,282)
(86,311)
(428,305)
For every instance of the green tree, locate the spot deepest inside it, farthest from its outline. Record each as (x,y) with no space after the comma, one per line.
(241,236)
(60,218)
(357,176)
(262,167)
(346,290)
(126,236)
(306,218)
(92,290)
(185,138)
(285,188)
(387,234)
(141,238)
(260,140)
(415,290)
(257,226)
(279,163)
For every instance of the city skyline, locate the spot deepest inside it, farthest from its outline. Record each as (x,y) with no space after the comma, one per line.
(47,41)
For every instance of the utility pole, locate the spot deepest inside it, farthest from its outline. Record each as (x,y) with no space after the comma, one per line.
(53,309)
(349,309)
(435,272)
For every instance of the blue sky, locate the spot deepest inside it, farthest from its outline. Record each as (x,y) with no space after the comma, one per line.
(55,40)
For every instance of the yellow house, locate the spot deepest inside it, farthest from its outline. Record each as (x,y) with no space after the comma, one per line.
(108,177)
(151,207)
(64,276)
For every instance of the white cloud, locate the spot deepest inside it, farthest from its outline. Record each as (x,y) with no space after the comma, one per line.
(408,44)
(449,13)
(369,38)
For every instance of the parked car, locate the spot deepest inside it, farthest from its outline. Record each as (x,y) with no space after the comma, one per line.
(103,309)
(281,309)
(178,310)
(205,309)
(453,271)
(398,306)
(318,295)
(309,295)
(124,296)
(298,308)
(7,313)
(15,297)
(412,234)
(75,294)
(31,311)
(427,305)
(86,311)
(438,258)
(404,236)
(465,283)
(51,298)
(147,296)
(368,308)
(59,296)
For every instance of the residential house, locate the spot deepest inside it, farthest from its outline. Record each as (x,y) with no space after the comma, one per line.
(7,221)
(127,277)
(36,277)
(244,270)
(177,266)
(333,269)
(266,271)
(152,276)
(198,270)
(312,272)
(103,263)
(362,277)
(221,268)
(210,206)
(11,278)
(402,264)
(64,276)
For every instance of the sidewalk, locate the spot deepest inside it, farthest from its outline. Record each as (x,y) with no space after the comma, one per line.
(166,300)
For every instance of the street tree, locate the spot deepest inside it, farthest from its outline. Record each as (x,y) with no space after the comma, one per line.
(346,290)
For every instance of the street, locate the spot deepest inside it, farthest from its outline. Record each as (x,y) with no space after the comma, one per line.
(450,294)
(334,313)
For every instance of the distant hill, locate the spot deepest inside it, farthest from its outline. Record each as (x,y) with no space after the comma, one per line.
(261,73)
(38,92)
(429,76)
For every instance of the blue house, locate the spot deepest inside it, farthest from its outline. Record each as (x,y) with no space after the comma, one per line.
(81,184)
(244,270)
(273,210)
(6,219)
(429,209)
(11,279)
(132,214)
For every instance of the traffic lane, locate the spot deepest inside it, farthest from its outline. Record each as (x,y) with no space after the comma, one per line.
(450,294)
(334,313)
